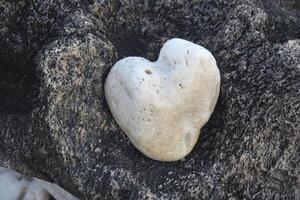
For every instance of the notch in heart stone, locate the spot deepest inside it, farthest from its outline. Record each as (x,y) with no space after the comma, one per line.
(162,105)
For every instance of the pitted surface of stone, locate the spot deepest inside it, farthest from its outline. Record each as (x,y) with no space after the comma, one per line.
(163,105)
(55,124)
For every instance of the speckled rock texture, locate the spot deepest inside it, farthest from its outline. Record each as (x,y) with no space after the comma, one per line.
(56,125)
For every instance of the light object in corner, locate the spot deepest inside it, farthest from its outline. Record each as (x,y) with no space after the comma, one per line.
(14,186)
(162,105)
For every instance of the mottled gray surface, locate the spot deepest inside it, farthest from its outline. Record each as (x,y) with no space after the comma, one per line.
(15,186)
(55,124)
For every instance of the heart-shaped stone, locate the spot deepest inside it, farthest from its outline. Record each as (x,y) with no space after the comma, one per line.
(162,105)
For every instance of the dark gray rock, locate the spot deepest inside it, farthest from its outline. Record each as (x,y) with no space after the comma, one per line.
(55,124)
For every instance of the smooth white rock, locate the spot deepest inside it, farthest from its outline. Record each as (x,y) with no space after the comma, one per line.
(15,186)
(162,105)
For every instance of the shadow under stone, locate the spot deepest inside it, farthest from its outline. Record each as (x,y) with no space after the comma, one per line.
(18,88)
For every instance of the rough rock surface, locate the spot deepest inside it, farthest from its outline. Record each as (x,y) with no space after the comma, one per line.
(55,124)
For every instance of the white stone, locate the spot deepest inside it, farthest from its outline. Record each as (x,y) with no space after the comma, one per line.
(16,186)
(162,105)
